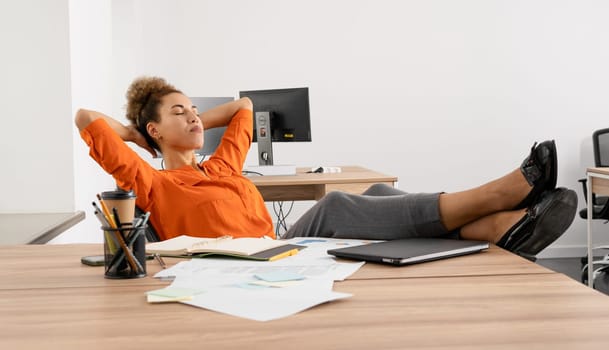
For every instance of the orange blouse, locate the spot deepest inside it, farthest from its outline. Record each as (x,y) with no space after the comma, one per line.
(184,201)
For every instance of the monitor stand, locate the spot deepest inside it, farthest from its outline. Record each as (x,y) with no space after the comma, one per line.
(265,149)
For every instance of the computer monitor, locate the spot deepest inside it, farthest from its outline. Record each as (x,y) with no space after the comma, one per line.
(212,137)
(280,115)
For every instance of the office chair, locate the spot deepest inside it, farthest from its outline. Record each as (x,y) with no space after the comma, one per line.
(151,235)
(600,204)
(600,145)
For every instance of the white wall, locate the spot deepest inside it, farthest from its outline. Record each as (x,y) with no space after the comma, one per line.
(91,49)
(36,133)
(443,94)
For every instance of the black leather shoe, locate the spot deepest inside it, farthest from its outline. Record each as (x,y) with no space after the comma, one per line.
(543,223)
(540,169)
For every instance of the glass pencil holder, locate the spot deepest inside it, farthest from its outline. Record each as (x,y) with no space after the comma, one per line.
(124,251)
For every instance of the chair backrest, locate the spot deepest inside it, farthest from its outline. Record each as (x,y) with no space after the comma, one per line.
(600,143)
(151,235)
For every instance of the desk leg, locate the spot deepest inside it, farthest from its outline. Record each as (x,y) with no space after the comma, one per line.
(589,224)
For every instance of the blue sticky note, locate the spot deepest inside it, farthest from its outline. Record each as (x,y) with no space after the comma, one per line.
(279,276)
(306,241)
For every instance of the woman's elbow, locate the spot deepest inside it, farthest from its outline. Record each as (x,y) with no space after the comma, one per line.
(246,103)
(82,118)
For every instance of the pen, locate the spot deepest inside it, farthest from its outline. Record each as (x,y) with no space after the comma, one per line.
(157,256)
(117,220)
(145,221)
(284,254)
(100,215)
(101,218)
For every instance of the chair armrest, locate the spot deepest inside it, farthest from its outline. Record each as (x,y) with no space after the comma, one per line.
(584,183)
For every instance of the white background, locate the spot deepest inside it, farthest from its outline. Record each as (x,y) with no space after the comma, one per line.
(443,94)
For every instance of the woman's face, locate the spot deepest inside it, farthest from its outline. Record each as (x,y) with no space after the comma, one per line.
(180,127)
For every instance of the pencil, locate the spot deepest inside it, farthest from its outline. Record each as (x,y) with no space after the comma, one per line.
(106,211)
(104,222)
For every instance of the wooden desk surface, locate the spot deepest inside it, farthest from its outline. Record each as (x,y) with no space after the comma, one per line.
(547,311)
(602,171)
(62,267)
(347,174)
(313,186)
(49,300)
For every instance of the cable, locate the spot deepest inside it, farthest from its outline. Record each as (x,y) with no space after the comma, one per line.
(247,172)
(281,217)
(277,209)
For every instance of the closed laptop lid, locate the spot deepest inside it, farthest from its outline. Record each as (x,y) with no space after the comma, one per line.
(410,250)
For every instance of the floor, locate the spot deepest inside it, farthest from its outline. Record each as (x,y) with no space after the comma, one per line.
(572,268)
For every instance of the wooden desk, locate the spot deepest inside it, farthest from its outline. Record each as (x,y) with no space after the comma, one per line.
(64,305)
(36,228)
(20,263)
(508,312)
(598,182)
(313,186)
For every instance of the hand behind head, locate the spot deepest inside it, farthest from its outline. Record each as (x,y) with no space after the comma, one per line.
(140,140)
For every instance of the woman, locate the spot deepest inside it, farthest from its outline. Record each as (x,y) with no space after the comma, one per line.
(521,211)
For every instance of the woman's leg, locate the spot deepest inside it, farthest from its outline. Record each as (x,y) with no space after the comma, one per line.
(430,215)
(344,215)
(460,208)
(492,227)
(383,213)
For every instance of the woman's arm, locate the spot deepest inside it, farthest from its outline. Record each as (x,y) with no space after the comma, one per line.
(126,133)
(222,114)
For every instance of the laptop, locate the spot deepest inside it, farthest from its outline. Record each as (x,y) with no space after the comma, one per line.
(410,250)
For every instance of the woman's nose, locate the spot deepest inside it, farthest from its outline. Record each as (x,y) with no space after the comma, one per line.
(192,117)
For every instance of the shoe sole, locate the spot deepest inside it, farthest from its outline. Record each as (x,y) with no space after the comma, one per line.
(555,167)
(551,223)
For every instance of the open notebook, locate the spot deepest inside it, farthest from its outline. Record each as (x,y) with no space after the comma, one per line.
(245,248)
(410,250)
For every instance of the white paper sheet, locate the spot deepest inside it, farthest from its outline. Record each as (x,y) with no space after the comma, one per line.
(263,303)
(229,290)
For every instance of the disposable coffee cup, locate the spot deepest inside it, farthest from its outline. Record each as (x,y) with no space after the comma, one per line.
(123,201)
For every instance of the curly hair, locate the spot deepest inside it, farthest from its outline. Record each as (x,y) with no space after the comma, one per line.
(143,98)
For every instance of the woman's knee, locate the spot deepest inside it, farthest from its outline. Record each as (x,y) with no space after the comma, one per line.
(376,189)
(382,190)
(334,198)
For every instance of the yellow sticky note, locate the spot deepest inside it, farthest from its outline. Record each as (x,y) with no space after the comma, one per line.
(171,294)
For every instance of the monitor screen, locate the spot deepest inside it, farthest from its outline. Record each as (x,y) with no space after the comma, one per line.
(213,136)
(289,112)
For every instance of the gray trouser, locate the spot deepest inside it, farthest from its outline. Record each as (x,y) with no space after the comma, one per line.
(381,212)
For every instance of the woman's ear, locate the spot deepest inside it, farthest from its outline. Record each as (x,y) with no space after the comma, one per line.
(153,131)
